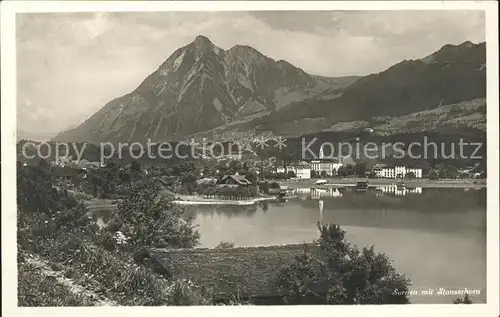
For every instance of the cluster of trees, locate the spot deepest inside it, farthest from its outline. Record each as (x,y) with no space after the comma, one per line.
(190,172)
(101,183)
(113,180)
(278,176)
(265,186)
(35,192)
(358,170)
(316,174)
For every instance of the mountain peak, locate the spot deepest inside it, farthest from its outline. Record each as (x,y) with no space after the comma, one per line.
(202,44)
(467,44)
(202,40)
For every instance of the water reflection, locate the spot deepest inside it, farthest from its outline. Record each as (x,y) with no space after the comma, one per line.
(320,205)
(436,236)
(399,190)
(264,205)
(226,211)
(337,192)
(393,196)
(316,193)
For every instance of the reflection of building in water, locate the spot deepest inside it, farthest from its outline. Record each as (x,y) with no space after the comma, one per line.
(300,191)
(320,204)
(317,193)
(399,191)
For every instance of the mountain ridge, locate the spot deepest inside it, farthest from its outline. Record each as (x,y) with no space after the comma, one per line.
(456,74)
(201,87)
(198,87)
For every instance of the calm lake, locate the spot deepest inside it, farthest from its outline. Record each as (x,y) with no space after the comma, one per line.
(436,236)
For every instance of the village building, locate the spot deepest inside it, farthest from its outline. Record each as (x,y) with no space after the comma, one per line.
(169,181)
(235,180)
(85,164)
(64,161)
(291,168)
(247,273)
(207,181)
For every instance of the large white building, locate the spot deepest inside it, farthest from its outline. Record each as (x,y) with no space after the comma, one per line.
(396,171)
(301,170)
(329,166)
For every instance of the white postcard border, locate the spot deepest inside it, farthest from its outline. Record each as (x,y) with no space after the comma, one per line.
(8,126)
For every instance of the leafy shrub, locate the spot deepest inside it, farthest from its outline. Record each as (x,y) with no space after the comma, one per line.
(185,293)
(225,245)
(465,300)
(141,287)
(340,273)
(152,220)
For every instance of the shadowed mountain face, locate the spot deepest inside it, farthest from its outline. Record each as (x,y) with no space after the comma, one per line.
(199,87)
(451,75)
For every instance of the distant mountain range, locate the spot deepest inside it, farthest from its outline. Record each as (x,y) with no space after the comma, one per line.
(202,87)
(34,136)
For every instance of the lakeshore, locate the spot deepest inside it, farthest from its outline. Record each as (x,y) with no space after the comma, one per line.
(349,182)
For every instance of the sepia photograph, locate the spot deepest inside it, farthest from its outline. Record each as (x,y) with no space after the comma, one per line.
(251,155)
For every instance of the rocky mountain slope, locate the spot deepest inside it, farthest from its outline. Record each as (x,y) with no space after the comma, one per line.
(200,87)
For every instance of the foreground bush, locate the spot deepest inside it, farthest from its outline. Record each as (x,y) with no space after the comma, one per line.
(149,219)
(340,273)
(463,300)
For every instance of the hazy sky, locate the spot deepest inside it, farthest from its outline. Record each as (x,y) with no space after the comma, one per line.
(70,64)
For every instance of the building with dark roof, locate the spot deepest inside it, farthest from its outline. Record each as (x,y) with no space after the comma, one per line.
(234,180)
(247,273)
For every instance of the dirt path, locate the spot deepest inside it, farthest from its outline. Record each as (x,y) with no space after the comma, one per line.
(37,262)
